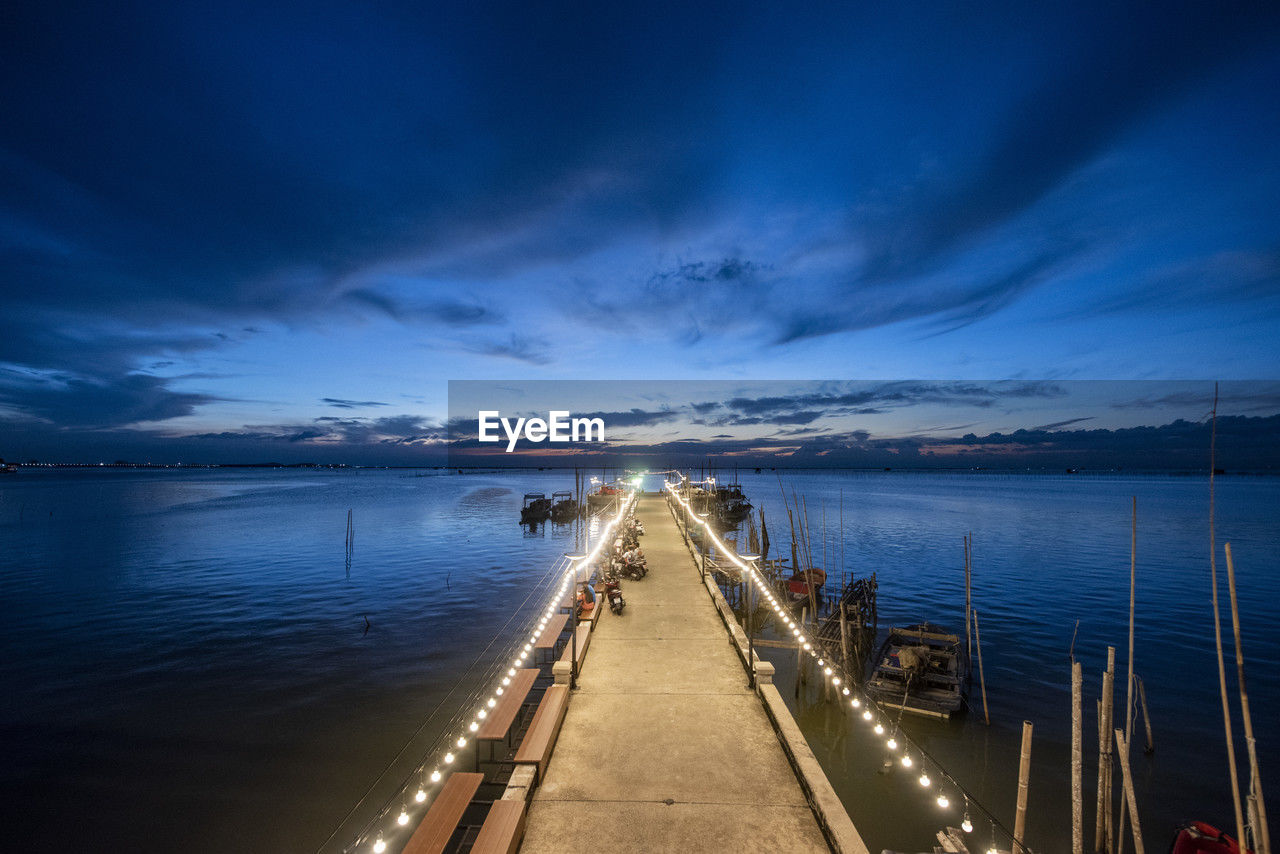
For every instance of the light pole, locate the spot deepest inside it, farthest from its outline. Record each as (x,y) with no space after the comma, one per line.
(702,547)
(573,619)
(751,621)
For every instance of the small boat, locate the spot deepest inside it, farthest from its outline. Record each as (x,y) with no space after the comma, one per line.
(799,583)
(920,669)
(563,508)
(1197,837)
(537,507)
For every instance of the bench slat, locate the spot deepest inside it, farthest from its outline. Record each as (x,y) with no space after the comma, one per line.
(535,749)
(499,719)
(446,811)
(502,830)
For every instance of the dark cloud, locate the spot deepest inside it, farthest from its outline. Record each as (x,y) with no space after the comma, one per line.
(106,401)
(1058,425)
(350,404)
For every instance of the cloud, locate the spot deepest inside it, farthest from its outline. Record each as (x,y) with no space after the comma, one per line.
(350,404)
(71,401)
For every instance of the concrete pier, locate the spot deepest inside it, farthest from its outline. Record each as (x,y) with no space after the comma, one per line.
(664,748)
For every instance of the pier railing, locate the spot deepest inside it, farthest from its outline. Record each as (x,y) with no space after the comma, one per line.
(935,781)
(397,817)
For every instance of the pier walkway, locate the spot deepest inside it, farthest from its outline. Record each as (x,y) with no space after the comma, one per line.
(664,748)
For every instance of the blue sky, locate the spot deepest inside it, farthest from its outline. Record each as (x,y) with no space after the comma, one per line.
(248,220)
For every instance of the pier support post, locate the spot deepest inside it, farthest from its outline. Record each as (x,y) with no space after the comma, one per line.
(1024,782)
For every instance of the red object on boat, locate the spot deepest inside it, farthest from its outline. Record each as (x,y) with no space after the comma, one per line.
(1201,838)
(800,582)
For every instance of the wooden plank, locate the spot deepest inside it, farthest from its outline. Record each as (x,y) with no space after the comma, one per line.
(502,830)
(499,720)
(446,811)
(535,748)
(551,634)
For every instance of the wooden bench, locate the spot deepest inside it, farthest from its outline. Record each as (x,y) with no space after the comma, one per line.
(551,634)
(502,830)
(438,825)
(536,747)
(584,639)
(497,723)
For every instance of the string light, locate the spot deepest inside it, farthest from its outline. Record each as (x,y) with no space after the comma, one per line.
(379,846)
(435,776)
(420,796)
(942,800)
(403,818)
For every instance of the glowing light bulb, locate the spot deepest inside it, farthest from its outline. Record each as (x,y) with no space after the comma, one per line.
(511,672)
(893,744)
(835,680)
(801,640)
(448,759)
(420,796)
(943,801)
(906,761)
(879,729)
(473,726)
(379,846)
(856,702)
(992,850)
(506,680)
(827,671)
(924,780)
(435,776)
(845,691)
(966,825)
(866,716)
(482,714)
(807,647)
(402,819)
(794,630)
(498,691)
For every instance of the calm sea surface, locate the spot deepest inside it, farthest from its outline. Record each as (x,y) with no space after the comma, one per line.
(186,662)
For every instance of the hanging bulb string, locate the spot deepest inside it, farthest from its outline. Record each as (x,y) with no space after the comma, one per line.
(546,576)
(562,569)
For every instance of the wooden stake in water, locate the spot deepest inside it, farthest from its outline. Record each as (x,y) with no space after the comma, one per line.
(1262,835)
(1128,690)
(1077,759)
(1102,827)
(977,638)
(1122,751)
(1024,783)
(1146,718)
(1217,631)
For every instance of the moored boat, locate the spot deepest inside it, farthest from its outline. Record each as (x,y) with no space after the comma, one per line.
(537,507)
(1198,837)
(922,670)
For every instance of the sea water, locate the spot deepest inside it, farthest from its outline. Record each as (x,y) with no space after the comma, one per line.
(193,659)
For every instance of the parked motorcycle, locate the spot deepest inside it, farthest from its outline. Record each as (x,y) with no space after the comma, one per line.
(613,593)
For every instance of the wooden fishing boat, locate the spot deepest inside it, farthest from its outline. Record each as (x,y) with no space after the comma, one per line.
(799,584)
(922,670)
(536,508)
(563,508)
(1197,837)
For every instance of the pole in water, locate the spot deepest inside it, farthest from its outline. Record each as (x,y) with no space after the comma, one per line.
(1122,752)
(1261,831)
(1102,828)
(1077,759)
(1146,718)
(982,679)
(1024,784)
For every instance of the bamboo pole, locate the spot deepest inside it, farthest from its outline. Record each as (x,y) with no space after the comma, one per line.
(1128,688)
(1262,835)
(1146,718)
(977,637)
(1077,760)
(1102,827)
(844,635)
(968,606)
(1024,784)
(1217,631)
(1122,750)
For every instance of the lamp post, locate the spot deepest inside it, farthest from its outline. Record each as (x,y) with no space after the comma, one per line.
(751,622)
(702,547)
(573,619)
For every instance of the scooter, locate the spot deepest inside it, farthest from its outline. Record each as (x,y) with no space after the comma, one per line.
(613,592)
